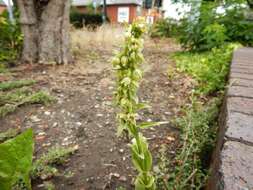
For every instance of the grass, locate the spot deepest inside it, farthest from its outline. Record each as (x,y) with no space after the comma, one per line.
(13,97)
(4,86)
(105,37)
(44,167)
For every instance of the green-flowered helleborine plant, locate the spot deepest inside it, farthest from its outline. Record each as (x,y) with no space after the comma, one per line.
(127,65)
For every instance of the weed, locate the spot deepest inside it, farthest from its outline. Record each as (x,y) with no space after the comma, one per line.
(14,96)
(127,65)
(16,99)
(44,167)
(39,97)
(4,86)
(198,135)
(6,109)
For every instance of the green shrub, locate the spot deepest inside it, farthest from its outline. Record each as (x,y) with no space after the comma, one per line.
(214,35)
(238,27)
(10,39)
(163,28)
(192,35)
(211,29)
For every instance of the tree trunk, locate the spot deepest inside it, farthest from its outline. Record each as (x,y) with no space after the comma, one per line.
(45,25)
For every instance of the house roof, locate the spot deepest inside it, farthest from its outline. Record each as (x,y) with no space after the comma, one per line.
(108,2)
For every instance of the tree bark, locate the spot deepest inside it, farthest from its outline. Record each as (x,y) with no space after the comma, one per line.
(45,25)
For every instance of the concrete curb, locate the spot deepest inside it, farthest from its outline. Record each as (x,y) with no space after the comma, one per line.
(232,164)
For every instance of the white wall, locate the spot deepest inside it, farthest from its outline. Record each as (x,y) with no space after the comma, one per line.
(171,9)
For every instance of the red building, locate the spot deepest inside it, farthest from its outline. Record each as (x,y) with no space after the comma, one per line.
(2,6)
(118,11)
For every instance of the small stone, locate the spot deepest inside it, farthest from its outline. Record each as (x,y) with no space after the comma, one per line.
(40,185)
(41,133)
(167,113)
(121,150)
(78,123)
(55,124)
(115,175)
(47,113)
(123,178)
(46,144)
(100,115)
(124,158)
(35,119)
(169,138)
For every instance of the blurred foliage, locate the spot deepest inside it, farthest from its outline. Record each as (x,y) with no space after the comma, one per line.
(90,20)
(164,28)
(204,27)
(238,27)
(10,39)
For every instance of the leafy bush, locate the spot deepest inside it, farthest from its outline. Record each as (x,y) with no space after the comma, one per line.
(89,20)
(163,28)
(10,39)
(211,29)
(16,161)
(214,35)
(192,35)
(208,68)
(238,27)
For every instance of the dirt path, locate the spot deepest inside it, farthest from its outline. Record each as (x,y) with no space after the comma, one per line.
(84,115)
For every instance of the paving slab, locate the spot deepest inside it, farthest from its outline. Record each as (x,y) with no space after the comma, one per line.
(240,127)
(236,166)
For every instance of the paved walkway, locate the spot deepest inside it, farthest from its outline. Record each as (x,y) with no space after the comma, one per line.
(234,157)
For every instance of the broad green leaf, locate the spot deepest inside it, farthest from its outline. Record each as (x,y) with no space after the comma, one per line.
(16,160)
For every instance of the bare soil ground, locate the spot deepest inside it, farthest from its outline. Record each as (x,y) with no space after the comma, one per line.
(84,115)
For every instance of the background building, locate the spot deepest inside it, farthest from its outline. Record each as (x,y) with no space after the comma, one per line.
(2,6)
(118,11)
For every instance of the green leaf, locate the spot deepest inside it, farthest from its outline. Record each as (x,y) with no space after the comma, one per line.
(146,125)
(16,160)
(141,106)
